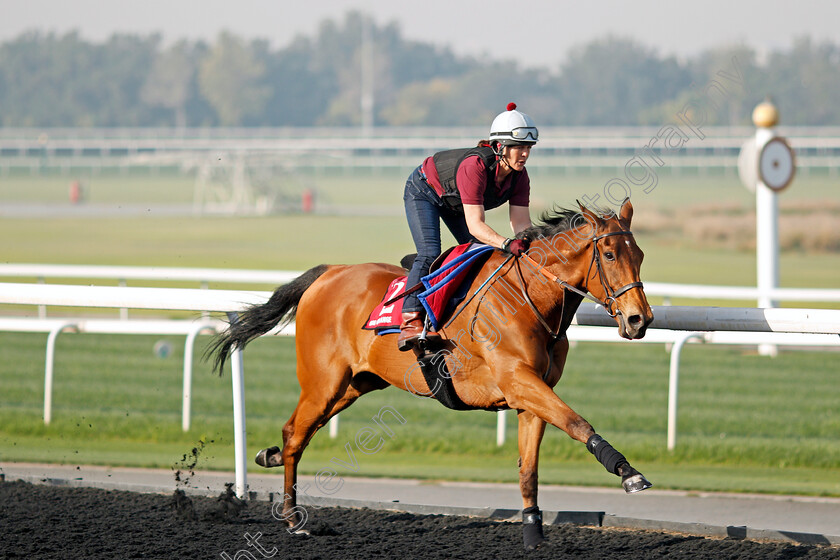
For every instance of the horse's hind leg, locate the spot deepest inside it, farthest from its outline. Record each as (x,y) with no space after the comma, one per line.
(313,411)
(360,384)
(309,415)
(273,456)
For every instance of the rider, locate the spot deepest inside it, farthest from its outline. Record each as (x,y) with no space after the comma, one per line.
(457,186)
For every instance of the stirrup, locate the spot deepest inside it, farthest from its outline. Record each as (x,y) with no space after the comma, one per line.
(421,341)
(427,338)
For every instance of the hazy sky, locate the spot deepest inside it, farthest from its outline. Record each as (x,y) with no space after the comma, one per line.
(535,32)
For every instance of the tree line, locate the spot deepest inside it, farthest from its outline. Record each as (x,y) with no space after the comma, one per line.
(51,80)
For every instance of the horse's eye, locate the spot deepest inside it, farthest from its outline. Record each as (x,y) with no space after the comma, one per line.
(609,255)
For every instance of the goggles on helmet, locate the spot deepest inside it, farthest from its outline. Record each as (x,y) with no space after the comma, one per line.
(522,133)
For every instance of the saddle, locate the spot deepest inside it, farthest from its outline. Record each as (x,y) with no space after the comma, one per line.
(445,286)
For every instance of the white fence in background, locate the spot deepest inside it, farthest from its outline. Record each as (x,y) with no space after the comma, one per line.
(800,327)
(226,301)
(704,291)
(124,274)
(385,147)
(55,327)
(676,339)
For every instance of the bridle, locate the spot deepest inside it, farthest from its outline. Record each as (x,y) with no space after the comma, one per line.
(612,295)
(558,333)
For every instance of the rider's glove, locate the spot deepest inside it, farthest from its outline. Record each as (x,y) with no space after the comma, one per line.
(516,246)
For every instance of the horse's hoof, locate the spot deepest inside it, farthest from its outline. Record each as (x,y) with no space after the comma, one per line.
(635,483)
(263,457)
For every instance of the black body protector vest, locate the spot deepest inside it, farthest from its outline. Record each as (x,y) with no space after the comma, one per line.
(447,164)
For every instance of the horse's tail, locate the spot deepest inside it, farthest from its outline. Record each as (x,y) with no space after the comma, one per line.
(259,319)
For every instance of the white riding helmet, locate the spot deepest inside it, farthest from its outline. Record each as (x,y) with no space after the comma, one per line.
(513,128)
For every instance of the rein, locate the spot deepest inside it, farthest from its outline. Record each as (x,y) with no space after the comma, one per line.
(464,305)
(612,295)
(557,334)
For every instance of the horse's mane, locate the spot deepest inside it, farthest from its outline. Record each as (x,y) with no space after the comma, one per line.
(559,219)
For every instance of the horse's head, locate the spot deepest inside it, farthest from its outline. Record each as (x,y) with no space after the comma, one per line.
(613,271)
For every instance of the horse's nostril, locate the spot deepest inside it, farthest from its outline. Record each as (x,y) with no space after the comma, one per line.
(635,320)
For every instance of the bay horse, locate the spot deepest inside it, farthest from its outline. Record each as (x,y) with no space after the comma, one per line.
(586,253)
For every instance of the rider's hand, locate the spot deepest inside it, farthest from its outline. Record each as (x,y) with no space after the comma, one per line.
(516,246)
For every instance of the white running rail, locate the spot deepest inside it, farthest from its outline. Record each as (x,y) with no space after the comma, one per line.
(758,324)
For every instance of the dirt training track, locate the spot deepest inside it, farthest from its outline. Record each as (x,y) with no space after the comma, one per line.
(58,522)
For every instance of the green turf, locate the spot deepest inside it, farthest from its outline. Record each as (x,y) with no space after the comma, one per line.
(297,242)
(127,188)
(384,188)
(300,242)
(746,423)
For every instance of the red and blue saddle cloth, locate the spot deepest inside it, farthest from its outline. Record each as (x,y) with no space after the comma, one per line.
(445,288)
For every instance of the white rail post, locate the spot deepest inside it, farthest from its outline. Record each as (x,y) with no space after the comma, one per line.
(500,427)
(188,367)
(766,241)
(49,367)
(334,427)
(239,438)
(673,382)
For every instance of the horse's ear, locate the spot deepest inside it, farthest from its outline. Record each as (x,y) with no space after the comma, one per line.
(591,218)
(626,212)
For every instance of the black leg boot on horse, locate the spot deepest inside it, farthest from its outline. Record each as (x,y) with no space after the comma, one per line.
(632,480)
(532,529)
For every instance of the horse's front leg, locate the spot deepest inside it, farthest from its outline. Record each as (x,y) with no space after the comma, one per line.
(527,391)
(531,430)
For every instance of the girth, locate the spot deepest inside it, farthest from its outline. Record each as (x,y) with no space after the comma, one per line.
(439,380)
